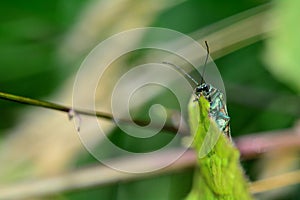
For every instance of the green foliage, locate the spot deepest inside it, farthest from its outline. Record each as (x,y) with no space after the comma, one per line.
(283,48)
(30,34)
(219,174)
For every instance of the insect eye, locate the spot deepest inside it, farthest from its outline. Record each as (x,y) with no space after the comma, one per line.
(198,89)
(204,88)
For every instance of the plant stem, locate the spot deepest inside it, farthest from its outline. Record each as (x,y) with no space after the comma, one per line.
(53,106)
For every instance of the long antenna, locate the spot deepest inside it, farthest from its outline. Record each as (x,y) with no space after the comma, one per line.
(206,59)
(182,71)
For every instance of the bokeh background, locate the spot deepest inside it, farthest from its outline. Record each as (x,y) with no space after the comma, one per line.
(254,43)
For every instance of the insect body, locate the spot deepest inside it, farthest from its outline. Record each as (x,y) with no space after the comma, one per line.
(218,110)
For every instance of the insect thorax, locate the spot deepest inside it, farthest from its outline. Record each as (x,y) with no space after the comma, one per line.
(218,110)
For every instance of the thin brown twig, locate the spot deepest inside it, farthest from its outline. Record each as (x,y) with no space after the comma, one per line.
(45,104)
(247,145)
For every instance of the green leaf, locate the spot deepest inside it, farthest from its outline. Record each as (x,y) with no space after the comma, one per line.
(283,47)
(219,174)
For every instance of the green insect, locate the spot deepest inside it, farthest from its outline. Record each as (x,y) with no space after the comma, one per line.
(218,110)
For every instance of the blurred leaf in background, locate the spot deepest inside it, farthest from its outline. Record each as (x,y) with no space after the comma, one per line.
(282,53)
(30,32)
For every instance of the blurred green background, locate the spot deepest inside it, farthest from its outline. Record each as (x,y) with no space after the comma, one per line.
(42,44)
